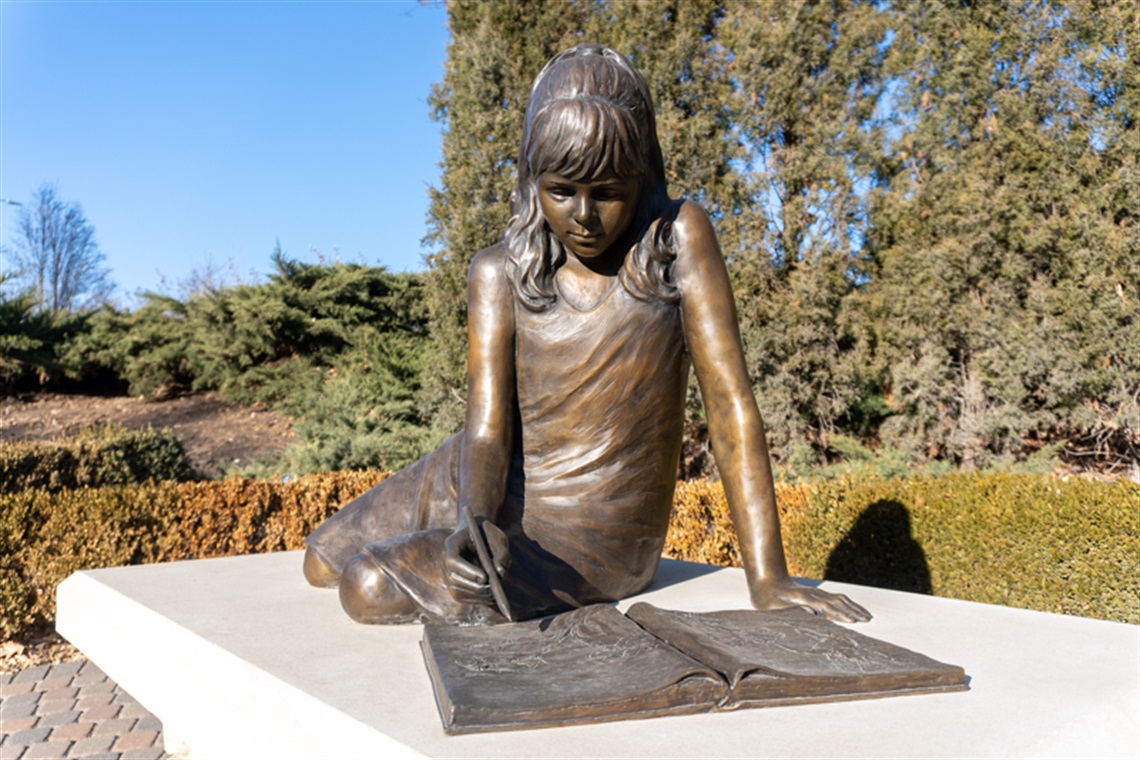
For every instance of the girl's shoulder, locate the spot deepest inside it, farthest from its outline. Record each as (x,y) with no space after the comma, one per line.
(691,219)
(487,285)
(693,235)
(490,259)
(488,268)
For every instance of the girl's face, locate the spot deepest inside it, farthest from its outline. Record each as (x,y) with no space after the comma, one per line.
(588,217)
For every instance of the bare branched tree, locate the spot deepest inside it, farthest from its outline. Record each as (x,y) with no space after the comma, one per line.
(56,256)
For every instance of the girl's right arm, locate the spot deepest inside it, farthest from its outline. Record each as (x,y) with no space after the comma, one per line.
(486,453)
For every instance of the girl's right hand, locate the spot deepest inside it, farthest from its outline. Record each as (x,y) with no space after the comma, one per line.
(466,580)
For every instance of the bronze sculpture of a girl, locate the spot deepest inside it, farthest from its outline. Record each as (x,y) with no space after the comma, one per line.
(582,323)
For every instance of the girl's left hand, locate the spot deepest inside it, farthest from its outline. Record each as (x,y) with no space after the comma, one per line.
(786,593)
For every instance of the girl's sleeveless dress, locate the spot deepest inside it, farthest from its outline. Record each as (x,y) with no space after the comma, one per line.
(601,395)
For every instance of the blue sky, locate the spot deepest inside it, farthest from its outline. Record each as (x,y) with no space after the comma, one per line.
(197,134)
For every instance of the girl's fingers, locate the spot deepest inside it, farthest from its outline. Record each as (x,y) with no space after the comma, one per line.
(467,591)
(835,607)
(843,605)
(466,584)
(461,573)
(847,610)
(499,545)
(859,612)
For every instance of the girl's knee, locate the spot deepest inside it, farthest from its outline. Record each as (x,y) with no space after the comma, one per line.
(318,571)
(368,595)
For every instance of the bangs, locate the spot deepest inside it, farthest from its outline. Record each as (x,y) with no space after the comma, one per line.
(584,138)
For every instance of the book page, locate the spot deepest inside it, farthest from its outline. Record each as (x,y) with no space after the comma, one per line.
(792,644)
(588,664)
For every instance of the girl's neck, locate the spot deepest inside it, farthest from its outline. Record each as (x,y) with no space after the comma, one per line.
(600,266)
(585,284)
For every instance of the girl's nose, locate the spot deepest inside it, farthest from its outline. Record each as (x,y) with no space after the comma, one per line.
(583,210)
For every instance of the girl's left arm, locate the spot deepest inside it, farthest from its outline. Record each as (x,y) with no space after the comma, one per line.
(712,335)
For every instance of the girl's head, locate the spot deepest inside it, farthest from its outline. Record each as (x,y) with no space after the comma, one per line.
(589,116)
(589,112)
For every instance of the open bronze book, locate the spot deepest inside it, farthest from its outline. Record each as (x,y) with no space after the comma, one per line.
(596,664)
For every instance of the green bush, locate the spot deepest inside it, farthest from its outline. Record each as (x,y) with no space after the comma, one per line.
(1025,541)
(1042,543)
(99,456)
(31,342)
(45,536)
(338,347)
(363,413)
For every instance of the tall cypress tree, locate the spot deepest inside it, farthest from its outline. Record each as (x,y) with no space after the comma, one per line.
(924,203)
(809,74)
(1091,314)
(990,245)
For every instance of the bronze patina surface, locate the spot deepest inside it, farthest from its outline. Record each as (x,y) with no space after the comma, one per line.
(595,664)
(582,325)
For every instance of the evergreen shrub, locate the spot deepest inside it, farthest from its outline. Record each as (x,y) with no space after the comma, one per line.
(337,347)
(95,457)
(1024,541)
(45,536)
(1070,547)
(32,341)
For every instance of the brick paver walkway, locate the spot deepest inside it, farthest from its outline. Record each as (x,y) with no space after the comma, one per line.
(73,710)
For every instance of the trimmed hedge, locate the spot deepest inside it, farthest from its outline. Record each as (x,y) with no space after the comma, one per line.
(45,537)
(94,457)
(1071,547)
(1024,541)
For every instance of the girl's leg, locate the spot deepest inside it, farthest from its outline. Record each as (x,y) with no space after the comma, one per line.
(419,497)
(401,580)
(319,571)
(368,595)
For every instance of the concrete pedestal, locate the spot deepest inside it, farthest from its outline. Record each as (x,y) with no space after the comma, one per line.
(240,658)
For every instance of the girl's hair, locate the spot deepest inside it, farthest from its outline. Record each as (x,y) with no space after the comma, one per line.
(589,113)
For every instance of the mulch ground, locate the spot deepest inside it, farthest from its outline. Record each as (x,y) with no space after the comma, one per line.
(218,436)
